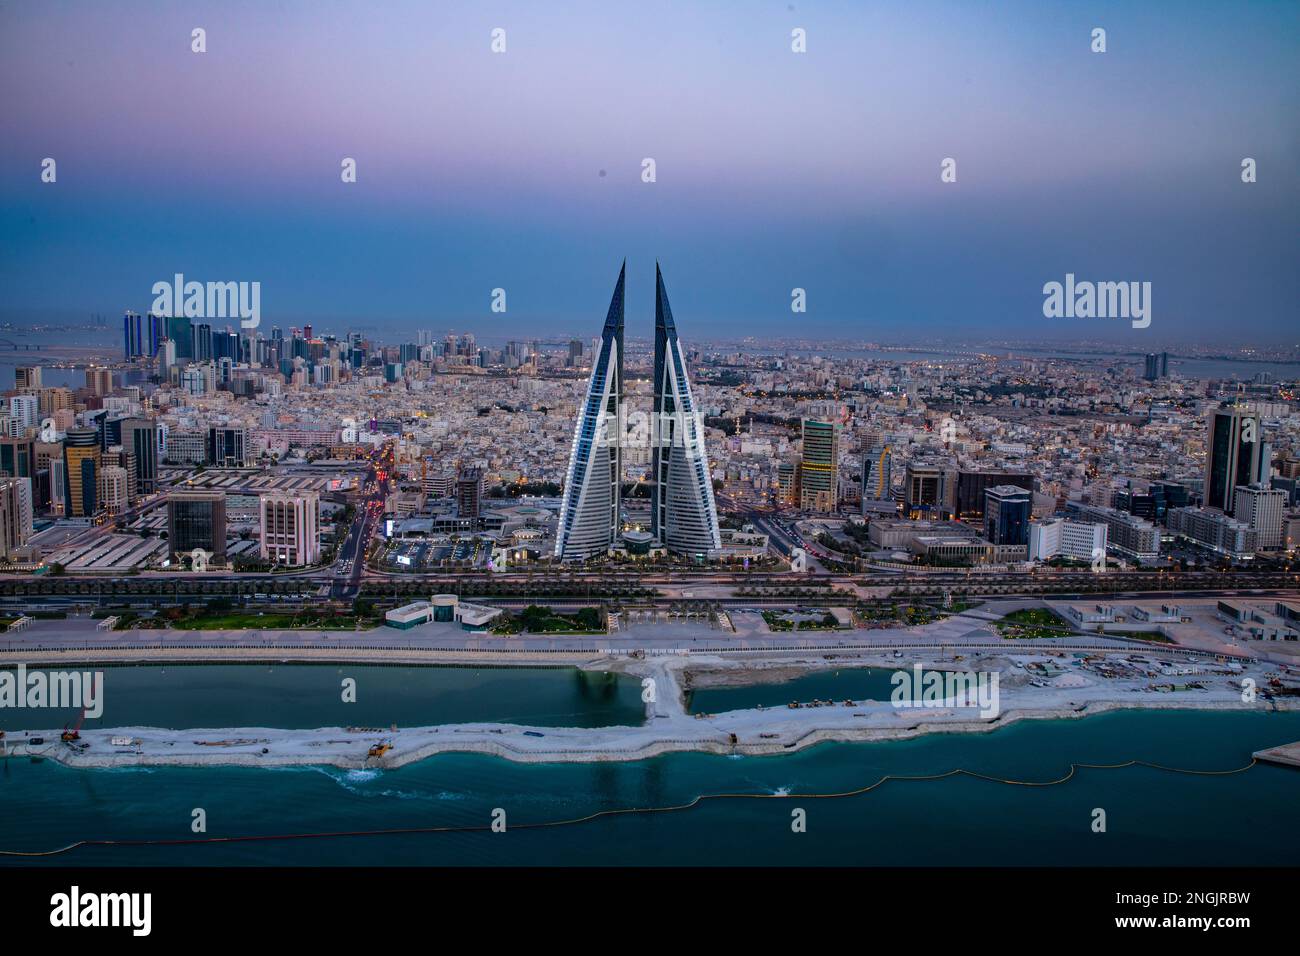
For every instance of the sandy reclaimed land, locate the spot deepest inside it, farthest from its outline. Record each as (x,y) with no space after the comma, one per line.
(1078,692)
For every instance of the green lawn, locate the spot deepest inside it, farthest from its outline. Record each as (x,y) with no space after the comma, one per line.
(1032,623)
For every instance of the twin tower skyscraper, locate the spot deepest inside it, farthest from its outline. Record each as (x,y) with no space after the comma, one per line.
(683,515)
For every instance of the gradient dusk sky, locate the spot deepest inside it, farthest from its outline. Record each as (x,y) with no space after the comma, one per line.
(775,170)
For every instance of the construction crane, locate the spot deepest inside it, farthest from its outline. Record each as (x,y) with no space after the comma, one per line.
(68,736)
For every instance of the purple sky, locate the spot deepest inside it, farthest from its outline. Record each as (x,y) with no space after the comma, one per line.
(775,170)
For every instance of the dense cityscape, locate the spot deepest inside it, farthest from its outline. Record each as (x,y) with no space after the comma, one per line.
(258,449)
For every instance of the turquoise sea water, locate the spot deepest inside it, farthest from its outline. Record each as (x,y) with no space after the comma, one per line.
(1152,817)
(851,683)
(299,696)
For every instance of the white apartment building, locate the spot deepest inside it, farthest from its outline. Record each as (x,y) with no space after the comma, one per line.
(114,489)
(290,528)
(1057,537)
(26,410)
(15,518)
(1261,510)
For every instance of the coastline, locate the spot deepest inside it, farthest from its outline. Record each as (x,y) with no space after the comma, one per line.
(668,727)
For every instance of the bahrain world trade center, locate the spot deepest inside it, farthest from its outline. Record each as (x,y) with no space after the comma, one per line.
(684,516)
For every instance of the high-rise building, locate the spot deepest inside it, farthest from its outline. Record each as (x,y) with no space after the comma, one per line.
(181,333)
(27,376)
(227,446)
(683,515)
(18,457)
(1261,509)
(197,519)
(927,490)
(878,479)
(114,489)
(25,411)
(819,466)
(1006,514)
(15,518)
(121,457)
(290,528)
(589,513)
(141,437)
(972,486)
(156,332)
(469,493)
(1236,455)
(99,380)
(133,335)
(81,464)
(787,483)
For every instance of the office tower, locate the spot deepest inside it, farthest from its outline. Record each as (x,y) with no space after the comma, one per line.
(15,518)
(683,515)
(58,486)
(114,489)
(1164,364)
(1006,514)
(226,446)
(197,519)
(1236,455)
(81,464)
(18,457)
(575,352)
(181,333)
(156,332)
(99,380)
(469,493)
(1260,509)
(27,376)
(972,486)
(290,528)
(109,429)
(878,479)
(787,483)
(1152,370)
(589,513)
(142,438)
(819,466)
(925,489)
(124,458)
(203,351)
(133,339)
